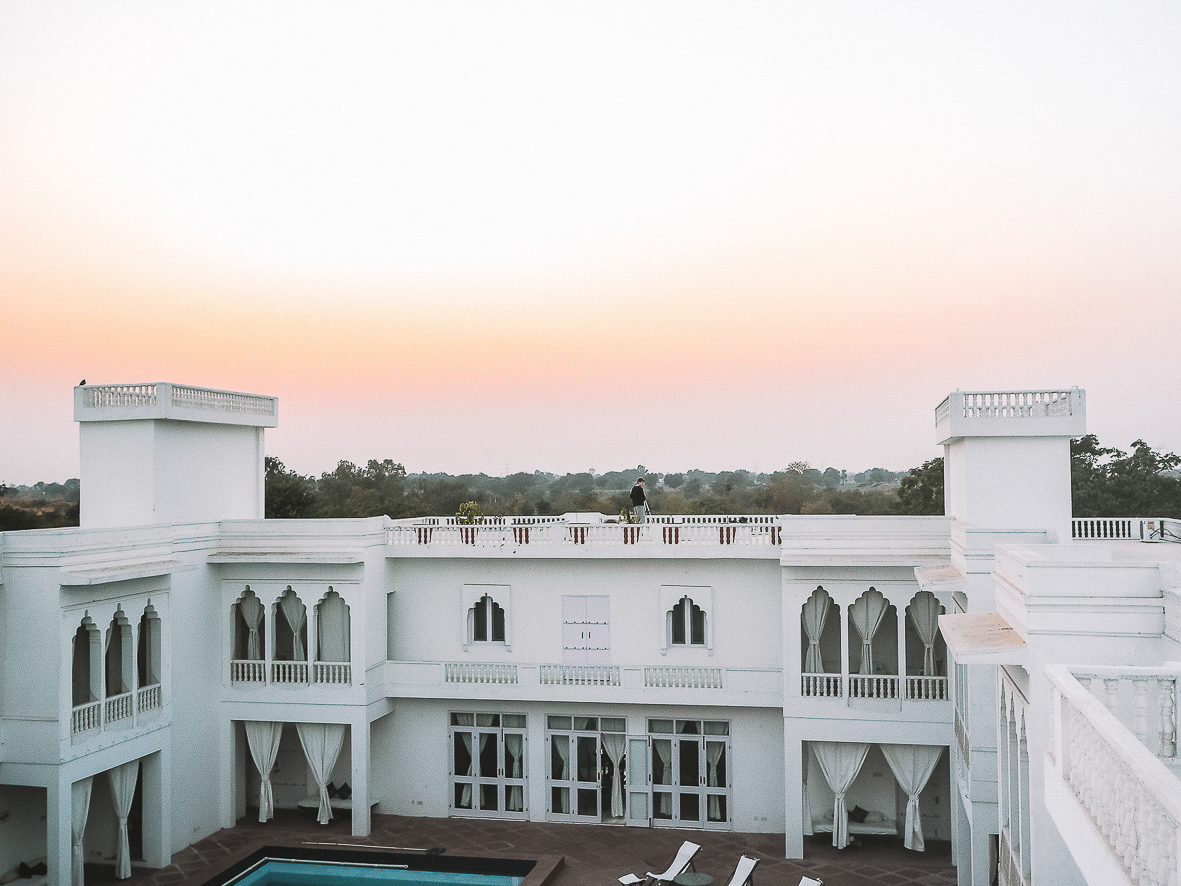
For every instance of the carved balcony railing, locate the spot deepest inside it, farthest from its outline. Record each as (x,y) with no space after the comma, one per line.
(1121,529)
(1128,794)
(1144,700)
(86,717)
(479,672)
(578,675)
(289,672)
(248,671)
(678,677)
(1016,404)
(337,673)
(926,688)
(873,686)
(147,698)
(821,685)
(118,707)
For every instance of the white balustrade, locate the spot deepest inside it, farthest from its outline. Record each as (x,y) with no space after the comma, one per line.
(148,698)
(118,707)
(678,677)
(926,688)
(98,396)
(479,672)
(86,717)
(821,685)
(1119,528)
(223,401)
(873,686)
(578,675)
(496,532)
(248,671)
(338,673)
(1143,699)
(1133,800)
(1016,404)
(289,672)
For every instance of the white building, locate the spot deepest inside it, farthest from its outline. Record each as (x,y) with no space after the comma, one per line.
(751,674)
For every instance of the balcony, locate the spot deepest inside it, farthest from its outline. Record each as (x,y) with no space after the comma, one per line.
(671,684)
(291,673)
(874,686)
(1146,529)
(121,711)
(1107,787)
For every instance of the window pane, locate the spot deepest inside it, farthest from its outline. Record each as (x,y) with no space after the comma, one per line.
(662,803)
(559,757)
(715,775)
(662,757)
(715,806)
(487,754)
(688,727)
(588,759)
(463,757)
(498,623)
(588,802)
(713,727)
(613,724)
(560,800)
(487,719)
(678,624)
(558,722)
(480,623)
(488,798)
(689,763)
(660,725)
(513,721)
(462,720)
(698,631)
(690,807)
(587,724)
(463,796)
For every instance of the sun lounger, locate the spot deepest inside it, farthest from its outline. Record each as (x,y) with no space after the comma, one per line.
(682,862)
(808,881)
(743,871)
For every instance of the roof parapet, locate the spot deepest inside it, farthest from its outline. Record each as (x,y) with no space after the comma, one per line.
(1041,413)
(164,400)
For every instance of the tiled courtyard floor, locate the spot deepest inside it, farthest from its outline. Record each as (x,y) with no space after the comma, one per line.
(594,855)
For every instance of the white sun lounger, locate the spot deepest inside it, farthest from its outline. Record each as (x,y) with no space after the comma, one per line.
(682,862)
(743,871)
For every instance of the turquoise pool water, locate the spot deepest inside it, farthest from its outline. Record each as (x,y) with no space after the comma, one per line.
(276,872)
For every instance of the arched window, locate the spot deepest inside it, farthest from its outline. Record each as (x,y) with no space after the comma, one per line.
(87,663)
(820,626)
(148,649)
(119,652)
(291,628)
(873,635)
(685,624)
(485,621)
(249,626)
(332,628)
(926,653)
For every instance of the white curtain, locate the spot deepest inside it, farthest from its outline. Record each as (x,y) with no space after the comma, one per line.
(79,807)
(296,614)
(924,612)
(123,780)
(251,611)
(867,614)
(321,745)
(465,797)
(614,743)
(713,754)
(814,615)
(664,750)
(513,746)
(840,761)
(912,765)
(332,622)
(807,799)
(263,739)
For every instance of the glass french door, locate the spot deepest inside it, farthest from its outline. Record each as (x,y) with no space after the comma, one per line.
(487,754)
(572,769)
(689,762)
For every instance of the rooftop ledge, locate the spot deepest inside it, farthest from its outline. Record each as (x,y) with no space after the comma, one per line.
(164,400)
(1042,413)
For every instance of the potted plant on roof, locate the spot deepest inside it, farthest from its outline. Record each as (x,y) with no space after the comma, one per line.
(469,514)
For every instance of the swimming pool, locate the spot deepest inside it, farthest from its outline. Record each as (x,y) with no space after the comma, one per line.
(292,866)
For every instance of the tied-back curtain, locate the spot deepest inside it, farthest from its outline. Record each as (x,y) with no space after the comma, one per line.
(513,746)
(814,615)
(614,743)
(924,612)
(465,796)
(912,765)
(321,745)
(296,614)
(332,621)
(79,807)
(263,740)
(867,614)
(251,611)
(123,780)
(840,761)
(713,755)
(664,750)
(807,799)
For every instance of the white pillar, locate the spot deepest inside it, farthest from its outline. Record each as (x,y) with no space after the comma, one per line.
(231,773)
(156,771)
(359,736)
(57,830)
(793,789)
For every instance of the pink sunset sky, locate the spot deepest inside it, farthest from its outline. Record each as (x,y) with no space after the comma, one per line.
(515,236)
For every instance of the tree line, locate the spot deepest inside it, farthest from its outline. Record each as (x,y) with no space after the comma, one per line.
(1105,482)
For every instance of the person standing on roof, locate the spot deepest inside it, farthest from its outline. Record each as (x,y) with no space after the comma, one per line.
(639,500)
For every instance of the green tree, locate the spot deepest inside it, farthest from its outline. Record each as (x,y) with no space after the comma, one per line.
(1107,482)
(378,488)
(288,494)
(921,491)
